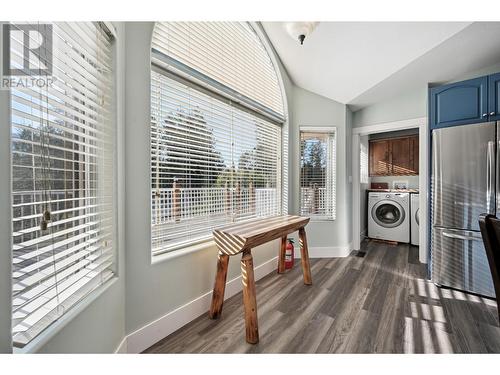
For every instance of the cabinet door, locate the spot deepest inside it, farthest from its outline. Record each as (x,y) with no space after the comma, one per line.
(414,154)
(379,158)
(459,103)
(494,97)
(400,157)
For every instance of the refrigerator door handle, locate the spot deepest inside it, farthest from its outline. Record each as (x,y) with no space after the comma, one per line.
(490,180)
(462,237)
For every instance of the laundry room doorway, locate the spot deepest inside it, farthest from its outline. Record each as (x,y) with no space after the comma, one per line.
(364,172)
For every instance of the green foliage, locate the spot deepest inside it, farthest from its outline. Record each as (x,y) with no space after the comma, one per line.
(187,152)
(201,165)
(313,161)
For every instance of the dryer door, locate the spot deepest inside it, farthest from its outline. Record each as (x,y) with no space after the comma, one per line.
(388,213)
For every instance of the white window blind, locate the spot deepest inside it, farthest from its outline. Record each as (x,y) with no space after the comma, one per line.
(211,164)
(363,163)
(62,183)
(228,53)
(317,173)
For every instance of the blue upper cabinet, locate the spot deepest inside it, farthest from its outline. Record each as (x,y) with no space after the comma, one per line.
(494,97)
(459,103)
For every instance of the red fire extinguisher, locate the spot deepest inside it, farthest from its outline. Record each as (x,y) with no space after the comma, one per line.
(289,254)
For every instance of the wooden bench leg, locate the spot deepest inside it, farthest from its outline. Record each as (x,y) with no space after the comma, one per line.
(249,298)
(304,257)
(281,258)
(219,286)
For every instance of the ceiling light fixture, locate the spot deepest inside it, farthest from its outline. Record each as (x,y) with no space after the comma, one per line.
(299,30)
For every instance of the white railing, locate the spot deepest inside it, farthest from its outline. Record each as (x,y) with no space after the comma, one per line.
(171,205)
(180,204)
(312,200)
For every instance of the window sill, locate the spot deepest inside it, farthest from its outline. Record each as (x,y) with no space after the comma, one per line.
(38,342)
(163,257)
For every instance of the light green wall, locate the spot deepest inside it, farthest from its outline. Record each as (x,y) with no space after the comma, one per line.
(407,105)
(99,328)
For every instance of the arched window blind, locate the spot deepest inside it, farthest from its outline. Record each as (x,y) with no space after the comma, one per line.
(216,136)
(229,54)
(62,179)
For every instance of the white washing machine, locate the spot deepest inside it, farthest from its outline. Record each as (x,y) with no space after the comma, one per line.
(389,216)
(415,220)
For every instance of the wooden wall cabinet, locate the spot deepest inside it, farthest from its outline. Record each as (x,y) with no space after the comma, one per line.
(394,156)
(379,157)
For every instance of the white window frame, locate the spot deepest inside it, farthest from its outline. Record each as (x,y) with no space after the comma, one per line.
(326,130)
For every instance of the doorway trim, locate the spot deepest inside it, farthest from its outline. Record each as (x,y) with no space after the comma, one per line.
(423,135)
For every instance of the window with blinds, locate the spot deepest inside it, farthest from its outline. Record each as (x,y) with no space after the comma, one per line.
(62,179)
(215,159)
(317,173)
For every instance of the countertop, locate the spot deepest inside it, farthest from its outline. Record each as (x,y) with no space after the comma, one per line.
(393,190)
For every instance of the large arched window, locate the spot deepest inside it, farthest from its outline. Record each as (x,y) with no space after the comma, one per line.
(217,119)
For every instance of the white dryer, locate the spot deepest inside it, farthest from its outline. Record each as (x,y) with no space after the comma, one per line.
(389,216)
(415,219)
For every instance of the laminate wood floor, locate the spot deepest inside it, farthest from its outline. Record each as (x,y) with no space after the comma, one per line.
(379,303)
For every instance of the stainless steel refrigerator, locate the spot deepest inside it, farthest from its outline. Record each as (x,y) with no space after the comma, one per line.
(464,184)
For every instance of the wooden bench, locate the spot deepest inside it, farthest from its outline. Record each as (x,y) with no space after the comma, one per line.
(241,238)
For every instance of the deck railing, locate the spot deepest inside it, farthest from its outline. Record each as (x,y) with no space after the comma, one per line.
(180,204)
(313,200)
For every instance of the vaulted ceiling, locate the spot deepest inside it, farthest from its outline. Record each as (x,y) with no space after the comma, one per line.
(360,63)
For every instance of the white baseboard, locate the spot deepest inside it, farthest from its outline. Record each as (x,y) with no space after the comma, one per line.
(122,348)
(327,252)
(156,330)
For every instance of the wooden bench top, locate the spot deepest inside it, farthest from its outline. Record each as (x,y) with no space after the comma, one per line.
(233,239)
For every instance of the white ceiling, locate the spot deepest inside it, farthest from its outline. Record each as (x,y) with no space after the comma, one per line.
(359,63)
(473,52)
